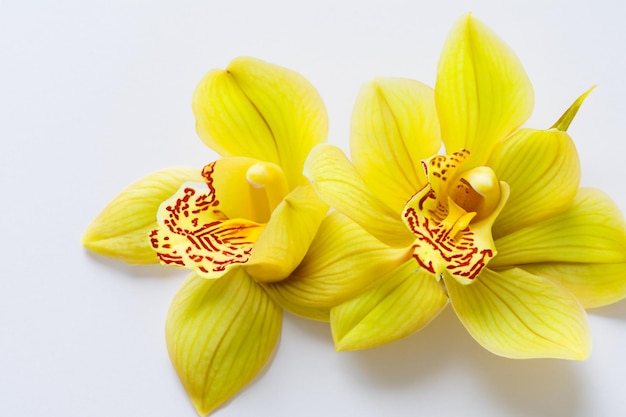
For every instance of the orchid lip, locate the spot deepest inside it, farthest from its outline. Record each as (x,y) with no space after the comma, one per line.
(190,235)
(451,217)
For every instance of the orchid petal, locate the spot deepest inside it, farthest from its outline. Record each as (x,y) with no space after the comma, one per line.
(592,230)
(263,111)
(123,228)
(287,236)
(220,334)
(519,315)
(394,127)
(404,301)
(594,285)
(342,261)
(228,122)
(337,182)
(482,91)
(543,172)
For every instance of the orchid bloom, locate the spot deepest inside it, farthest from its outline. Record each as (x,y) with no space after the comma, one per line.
(498,225)
(243,222)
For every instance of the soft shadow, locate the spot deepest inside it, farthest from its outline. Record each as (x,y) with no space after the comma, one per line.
(298,328)
(317,332)
(537,388)
(413,359)
(614,311)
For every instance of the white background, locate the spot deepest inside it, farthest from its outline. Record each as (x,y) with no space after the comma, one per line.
(95,94)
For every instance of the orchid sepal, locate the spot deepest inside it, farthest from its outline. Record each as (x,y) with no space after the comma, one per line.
(515,314)
(263,111)
(220,334)
(338,183)
(122,228)
(394,126)
(325,279)
(482,91)
(404,301)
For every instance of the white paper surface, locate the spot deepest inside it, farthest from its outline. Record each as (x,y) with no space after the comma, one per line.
(95,94)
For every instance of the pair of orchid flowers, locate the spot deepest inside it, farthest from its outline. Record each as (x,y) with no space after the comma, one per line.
(497,225)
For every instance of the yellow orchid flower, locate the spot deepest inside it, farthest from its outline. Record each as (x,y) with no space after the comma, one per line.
(498,225)
(243,223)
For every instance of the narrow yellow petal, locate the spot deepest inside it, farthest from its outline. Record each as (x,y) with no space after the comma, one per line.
(123,228)
(482,91)
(287,236)
(220,334)
(394,127)
(564,121)
(594,285)
(263,111)
(343,260)
(338,184)
(592,230)
(518,315)
(543,172)
(404,301)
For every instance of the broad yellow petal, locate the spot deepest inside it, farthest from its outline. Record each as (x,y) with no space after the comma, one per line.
(543,172)
(592,230)
(263,111)
(220,334)
(337,182)
(228,122)
(394,127)
(404,301)
(123,228)
(287,236)
(594,285)
(482,91)
(518,315)
(343,260)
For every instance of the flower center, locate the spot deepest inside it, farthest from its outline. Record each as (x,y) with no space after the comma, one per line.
(272,179)
(199,231)
(476,190)
(452,215)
